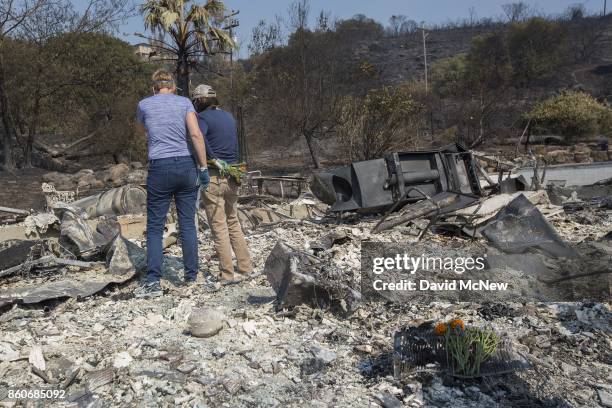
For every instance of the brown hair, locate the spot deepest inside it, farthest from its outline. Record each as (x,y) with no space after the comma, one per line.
(202,104)
(163,79)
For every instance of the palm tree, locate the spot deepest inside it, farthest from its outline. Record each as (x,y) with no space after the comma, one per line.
(187,31)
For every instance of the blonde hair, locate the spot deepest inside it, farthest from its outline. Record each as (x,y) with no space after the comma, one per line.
(163,79)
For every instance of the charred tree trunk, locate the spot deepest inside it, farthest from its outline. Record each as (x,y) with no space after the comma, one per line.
(33,128)
(7,121)
(29,145)
(182,75)
(311,148)
(7,147)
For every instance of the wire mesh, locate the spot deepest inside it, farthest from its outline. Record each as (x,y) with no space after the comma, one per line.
(419,349)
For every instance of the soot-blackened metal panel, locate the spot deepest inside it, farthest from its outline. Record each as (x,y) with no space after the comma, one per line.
(375,184)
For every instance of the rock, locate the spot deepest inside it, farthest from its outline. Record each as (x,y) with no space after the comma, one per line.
(85,178)
(605,398)
(205,323)
(61,181)
(123,359)
(186,368)
(137,165)
(50,177)
(118,173)
(327,356)
(558,157)
(387,400)
(599,156)
(137,177)
(364,348)
(250,328)
(84,172)
(582,158)
(582,148)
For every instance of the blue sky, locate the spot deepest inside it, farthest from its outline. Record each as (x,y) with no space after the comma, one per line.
(430,11)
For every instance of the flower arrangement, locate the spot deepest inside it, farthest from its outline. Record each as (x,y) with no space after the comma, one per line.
(467,348)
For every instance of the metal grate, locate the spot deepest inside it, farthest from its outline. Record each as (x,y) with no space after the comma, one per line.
(418,349)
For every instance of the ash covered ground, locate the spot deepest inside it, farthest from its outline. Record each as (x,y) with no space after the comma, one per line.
(111,349)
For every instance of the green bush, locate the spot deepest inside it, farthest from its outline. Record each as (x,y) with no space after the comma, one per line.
(572,114)
(536,49)
(378,122)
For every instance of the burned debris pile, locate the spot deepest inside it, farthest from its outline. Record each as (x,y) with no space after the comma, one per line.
(83,236)
(298,277)
(303,327)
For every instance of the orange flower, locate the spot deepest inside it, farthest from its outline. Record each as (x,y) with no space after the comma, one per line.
(456,323)
(440,329)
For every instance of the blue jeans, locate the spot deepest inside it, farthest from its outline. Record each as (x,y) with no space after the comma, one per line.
(172,177)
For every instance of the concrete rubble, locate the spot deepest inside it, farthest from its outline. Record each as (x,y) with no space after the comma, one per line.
(298,332)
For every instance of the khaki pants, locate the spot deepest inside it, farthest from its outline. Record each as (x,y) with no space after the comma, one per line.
(220,204)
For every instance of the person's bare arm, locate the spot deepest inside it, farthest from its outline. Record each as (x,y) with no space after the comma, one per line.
(197,138)
(140,130)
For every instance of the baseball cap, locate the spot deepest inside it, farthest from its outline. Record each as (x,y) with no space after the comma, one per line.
(203,91)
